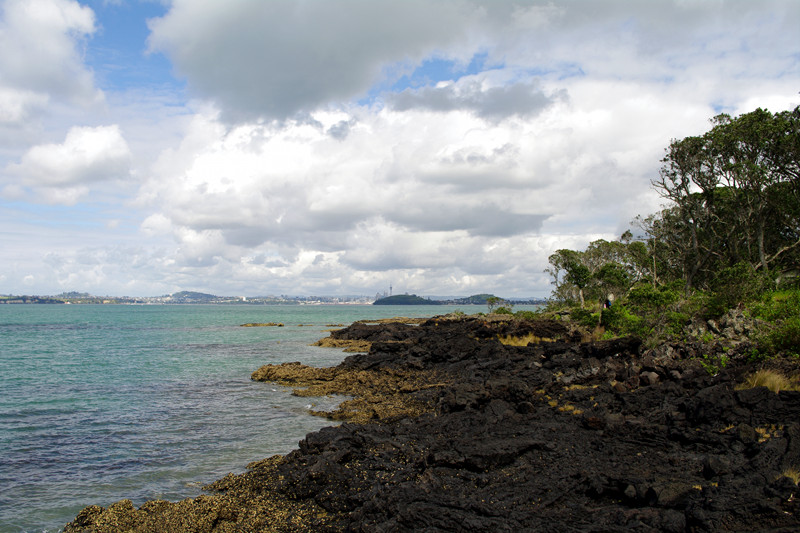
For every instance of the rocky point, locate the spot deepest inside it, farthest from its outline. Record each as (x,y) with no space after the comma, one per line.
(450,429)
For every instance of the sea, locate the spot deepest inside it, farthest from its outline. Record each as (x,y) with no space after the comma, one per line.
(100,403)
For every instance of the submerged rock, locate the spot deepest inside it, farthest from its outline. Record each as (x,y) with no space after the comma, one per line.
(460,432)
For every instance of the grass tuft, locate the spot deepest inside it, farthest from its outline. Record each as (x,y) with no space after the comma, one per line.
(793,474)
(510,340)
(774,381)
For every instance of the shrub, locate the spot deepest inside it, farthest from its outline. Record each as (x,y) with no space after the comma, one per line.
(584,317)
(784,338)
(777,305)
(619,319)
(527,315)
(782,308)
(736,285)
(675,321)
(713,364)
(648,298)
(503,311)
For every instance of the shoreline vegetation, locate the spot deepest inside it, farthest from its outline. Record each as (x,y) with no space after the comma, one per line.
(658,390)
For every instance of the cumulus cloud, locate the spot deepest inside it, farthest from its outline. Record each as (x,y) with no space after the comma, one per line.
(40,55)
(66,170)
(318,157)
(275,59)
(403,192)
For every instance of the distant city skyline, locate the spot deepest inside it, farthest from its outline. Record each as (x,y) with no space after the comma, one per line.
(340,147)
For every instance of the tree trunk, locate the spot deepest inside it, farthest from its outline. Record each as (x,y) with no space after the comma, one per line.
(762,257)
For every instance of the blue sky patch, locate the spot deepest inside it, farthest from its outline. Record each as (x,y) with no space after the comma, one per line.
(118,50)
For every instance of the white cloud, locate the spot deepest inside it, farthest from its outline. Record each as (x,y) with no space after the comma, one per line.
(65,171)
(300,170)
(16,106)
(39,49)
(422,191)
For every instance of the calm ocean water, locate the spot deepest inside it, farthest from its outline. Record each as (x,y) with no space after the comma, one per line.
(100,403)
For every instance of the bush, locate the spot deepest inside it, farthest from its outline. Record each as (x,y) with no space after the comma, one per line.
(503,311)
(649,299)
(527,315)
(620,320)
(784,338)
(584,317)
(676,321)
(782,308)
(778,305)
(732,286)
(713,364)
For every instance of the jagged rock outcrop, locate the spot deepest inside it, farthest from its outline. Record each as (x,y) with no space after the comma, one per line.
(555,435)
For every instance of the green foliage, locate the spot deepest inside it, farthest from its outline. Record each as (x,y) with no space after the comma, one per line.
(778,305)
(782,309)
(584,317)
(478,299)
(713,364)
(527,315)
(784,338)
(734,194)
(729,234)
(503,310)
(611,279)
(734,286)
(492,302)
(621,321)
(649,299)
(675,321)
(660,308)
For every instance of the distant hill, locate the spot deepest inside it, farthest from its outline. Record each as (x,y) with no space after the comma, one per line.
(192,297)
(405,299)
(476,299)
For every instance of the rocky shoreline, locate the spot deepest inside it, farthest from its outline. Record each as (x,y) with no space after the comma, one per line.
(449,429)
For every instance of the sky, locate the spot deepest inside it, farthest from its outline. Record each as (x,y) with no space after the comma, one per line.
(337,147)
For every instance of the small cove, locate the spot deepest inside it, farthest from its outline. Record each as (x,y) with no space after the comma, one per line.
(101,403)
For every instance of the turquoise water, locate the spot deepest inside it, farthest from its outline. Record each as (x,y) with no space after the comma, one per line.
(104,402)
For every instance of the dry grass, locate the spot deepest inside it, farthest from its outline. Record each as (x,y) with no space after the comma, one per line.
(774,381)
(510,340)
(578,386)
(793,474)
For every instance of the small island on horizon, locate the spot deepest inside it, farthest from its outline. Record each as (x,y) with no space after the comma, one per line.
(476,299)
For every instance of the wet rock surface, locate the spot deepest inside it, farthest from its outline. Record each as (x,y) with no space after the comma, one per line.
(558,435)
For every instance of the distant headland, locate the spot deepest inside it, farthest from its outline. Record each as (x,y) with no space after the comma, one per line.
(476,299)
(193,297)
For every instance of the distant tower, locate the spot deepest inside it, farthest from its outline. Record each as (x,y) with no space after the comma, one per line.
(390,289)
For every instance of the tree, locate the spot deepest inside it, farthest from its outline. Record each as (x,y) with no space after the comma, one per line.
(568,271)
(492,302)
(733,196)
(612,278)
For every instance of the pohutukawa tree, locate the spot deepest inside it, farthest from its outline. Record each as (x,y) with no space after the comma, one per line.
(733,202)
